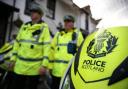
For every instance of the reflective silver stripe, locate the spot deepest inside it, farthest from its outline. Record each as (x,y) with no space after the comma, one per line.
(59,61)
(33,42)
(14,53)
(30,59)
(62,44)
(65,44)
(59,44)
(6,51)
(46,57)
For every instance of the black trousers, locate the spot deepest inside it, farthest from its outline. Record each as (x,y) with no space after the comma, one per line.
(23,82)
(55,82)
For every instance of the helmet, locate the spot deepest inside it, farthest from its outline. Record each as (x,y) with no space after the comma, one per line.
(69,18)
(85,72)
(35,8)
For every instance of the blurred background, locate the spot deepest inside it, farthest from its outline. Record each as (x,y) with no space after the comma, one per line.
(16,12)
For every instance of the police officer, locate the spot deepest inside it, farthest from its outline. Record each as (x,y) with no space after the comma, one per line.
(5,55)
(30,52)
(64,46)
(102,61)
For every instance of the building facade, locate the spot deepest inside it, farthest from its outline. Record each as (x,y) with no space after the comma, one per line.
(54,11)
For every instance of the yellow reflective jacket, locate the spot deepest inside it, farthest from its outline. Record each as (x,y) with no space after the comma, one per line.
(5,48)
(60,56)
(102,61)
(31,48)
(5,54)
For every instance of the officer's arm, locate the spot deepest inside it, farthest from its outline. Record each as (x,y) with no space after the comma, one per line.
(16,45)
(46,46)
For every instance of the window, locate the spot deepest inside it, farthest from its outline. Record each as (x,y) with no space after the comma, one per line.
(51,4)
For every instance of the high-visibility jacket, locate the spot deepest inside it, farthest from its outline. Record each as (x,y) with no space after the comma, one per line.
(5,51)
(31,48)
(5,54)
(60,55)
(5,48)
(102,61)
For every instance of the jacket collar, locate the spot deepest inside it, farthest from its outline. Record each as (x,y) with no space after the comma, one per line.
(39,22)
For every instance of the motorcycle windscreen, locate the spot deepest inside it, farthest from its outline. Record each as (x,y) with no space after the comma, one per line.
(65,81)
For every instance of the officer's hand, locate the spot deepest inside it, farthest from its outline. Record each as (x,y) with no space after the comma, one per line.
(11,65)
(42,70)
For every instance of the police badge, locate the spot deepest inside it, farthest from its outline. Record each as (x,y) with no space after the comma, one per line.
(103,44)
